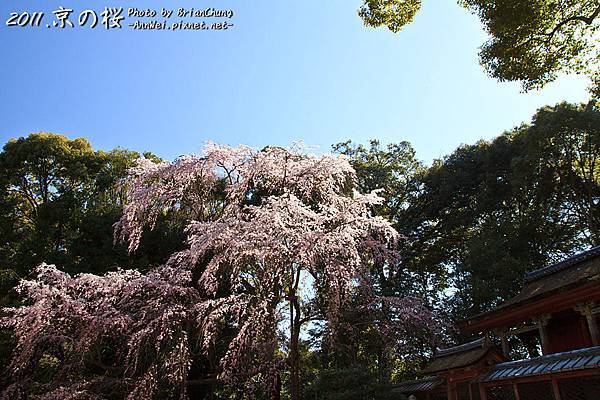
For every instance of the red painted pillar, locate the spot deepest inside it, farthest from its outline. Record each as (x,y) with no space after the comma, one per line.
(556,389)
(482,392)
(516,390)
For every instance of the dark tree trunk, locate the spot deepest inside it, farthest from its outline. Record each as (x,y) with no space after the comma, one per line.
(294,353)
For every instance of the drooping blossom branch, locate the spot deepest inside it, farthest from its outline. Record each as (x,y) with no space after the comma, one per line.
(270,232)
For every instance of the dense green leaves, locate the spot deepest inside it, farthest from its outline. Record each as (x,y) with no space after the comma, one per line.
(45,178)
(394,14)
(473,223)
(394,169)
(477,220)
(533,41)
(499,209)
(59,199)
(530,41)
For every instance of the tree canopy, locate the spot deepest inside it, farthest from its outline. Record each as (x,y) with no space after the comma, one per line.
(59,199)
(529,41)
(268,273)
(275,239)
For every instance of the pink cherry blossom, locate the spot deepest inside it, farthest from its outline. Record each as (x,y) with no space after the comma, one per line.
(276,238)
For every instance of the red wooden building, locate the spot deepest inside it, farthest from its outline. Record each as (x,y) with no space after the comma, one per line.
(554,319)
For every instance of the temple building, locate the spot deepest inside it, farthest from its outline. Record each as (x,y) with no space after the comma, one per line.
(554,320)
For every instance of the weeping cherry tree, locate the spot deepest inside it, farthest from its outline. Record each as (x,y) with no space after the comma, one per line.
(276,239)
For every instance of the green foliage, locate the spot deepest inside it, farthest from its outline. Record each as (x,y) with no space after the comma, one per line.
(394,14)
(473,223)
(7,344)
(348,384)
(533,41)
(492,211)
(395,169)
(391,169)
(42,177)
(530,41)
(60,199)
(477,220)
(566,140)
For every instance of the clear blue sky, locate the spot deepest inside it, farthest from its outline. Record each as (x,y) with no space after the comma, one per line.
(288,70)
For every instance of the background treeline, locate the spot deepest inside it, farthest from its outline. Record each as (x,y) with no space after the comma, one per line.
(474,222)
(477,220)
(59,200)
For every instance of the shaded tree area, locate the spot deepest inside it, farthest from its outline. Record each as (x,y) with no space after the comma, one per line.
(60,199)
(275,239)
(494,211)
(477,220)
(245,326)
(393,169)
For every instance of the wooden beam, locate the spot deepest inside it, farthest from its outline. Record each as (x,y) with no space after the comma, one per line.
(551,303)
(587,310)
(593,327)
(556,389)
(541,322)
(523,329)
(502,334)
(544,339)
(516,390)
(482,392)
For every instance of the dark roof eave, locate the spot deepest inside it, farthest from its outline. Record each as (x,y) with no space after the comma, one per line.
(460,348)
(560,266)
(549,364)
(503,308)
(419,385)
(471,355)
(539,274)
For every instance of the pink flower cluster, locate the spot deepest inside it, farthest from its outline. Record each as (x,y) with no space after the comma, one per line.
(260,222)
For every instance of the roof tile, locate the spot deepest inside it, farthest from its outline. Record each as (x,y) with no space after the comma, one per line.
(552,363)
